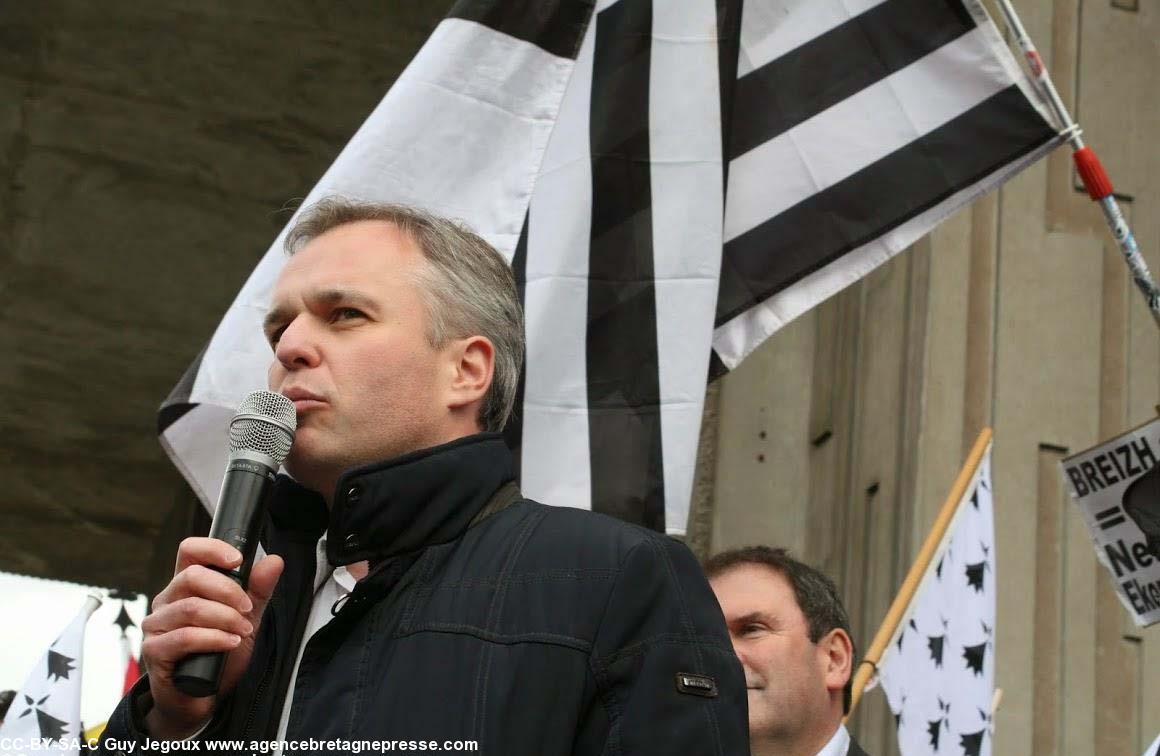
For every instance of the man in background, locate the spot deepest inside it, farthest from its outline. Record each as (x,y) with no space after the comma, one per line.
(792,635)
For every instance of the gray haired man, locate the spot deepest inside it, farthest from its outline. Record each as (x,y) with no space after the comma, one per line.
(412,598)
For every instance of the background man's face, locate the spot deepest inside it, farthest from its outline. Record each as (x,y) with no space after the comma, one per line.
(784,671)
(348,327)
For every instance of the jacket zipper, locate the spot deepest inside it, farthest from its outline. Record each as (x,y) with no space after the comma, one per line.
(297,630)
(262,684)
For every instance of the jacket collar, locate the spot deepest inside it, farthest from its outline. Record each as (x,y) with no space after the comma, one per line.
(420,499)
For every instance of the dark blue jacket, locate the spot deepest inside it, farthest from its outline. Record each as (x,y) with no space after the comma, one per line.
(532,630)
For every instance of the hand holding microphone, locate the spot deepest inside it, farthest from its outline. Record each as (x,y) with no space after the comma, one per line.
(200,635)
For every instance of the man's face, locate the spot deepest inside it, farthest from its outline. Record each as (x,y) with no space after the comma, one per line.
(784,671)
(348,326)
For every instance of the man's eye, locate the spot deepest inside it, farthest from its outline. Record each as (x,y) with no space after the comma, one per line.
(347,313)
(275,335)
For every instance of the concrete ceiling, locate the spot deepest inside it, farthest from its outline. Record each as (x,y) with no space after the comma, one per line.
(147,154)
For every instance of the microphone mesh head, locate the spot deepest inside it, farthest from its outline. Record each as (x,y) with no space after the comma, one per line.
(265,423)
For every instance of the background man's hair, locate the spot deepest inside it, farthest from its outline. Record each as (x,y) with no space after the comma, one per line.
(469,288)
(816,594)
(6,699)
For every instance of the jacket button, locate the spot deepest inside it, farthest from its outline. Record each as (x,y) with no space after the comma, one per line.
(353,494)
(351,541)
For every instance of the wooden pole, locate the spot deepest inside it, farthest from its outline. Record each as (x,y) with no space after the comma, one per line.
(898,608)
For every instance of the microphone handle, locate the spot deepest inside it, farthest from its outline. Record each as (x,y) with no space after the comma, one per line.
(237,522)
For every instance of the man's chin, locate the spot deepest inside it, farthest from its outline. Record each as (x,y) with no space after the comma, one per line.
(308,473)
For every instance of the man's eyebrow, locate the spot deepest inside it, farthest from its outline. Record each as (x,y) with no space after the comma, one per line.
(280,313)
(341,296)
(745,619)
(274,317)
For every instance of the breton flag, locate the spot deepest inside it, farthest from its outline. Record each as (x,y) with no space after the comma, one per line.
(938,671)
(129,660)
(46,714)
(128,655)
(672,182)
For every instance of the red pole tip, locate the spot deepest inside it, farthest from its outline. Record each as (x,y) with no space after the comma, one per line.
(1095,180)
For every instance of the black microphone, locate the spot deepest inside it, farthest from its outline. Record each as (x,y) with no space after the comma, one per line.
(260,437)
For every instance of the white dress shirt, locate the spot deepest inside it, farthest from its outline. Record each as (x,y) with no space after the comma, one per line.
(330,585)
(839,743)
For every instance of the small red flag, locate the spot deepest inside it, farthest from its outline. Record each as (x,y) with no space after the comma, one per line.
(132,667)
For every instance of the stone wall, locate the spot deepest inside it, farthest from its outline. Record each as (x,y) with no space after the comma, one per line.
(841,437)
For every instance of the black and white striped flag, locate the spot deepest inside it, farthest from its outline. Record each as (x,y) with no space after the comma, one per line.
(673,181)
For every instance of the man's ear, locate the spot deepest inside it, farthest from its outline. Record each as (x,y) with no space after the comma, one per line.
(838,658)
(472,363)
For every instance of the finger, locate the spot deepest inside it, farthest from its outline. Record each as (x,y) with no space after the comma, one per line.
(208,551)
(203,582)
(195,611)
(166,649)
(263,579)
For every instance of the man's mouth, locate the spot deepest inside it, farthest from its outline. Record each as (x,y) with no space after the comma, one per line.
(303,399)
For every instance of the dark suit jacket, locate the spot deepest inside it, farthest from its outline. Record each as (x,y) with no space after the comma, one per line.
(855,749)
(603,637)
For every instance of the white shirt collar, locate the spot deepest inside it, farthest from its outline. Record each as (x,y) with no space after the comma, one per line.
(839,743)
(323,570)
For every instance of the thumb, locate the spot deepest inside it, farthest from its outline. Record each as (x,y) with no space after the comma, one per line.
(263,578)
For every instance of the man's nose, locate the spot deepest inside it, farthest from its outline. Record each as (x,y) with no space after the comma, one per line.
(741,651)
(297,346)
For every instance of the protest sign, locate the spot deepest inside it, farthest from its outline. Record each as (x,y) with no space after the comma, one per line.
(1116,486)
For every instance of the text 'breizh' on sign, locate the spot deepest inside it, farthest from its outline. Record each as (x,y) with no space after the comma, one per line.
(1117,488)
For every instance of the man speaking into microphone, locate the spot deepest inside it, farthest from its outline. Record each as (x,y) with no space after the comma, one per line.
(410,593)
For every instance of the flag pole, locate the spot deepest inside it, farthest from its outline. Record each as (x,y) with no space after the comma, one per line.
(1095,180)
(869,664)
